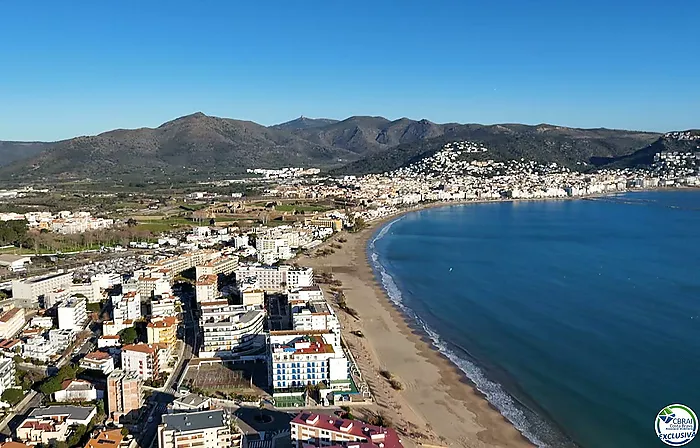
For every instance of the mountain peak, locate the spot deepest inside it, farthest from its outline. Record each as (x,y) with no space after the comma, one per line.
(304,123)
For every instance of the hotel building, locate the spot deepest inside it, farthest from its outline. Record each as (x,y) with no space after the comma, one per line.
(276,278)
(231,330)
(27,292)
(297,359)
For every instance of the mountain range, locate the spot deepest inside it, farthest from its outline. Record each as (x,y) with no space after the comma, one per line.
(200,146)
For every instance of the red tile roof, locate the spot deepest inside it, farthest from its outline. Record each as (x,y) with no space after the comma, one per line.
(376,435)
(9,315)
(98,356)
(143,348)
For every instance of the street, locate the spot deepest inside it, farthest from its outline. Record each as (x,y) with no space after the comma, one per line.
(158,402)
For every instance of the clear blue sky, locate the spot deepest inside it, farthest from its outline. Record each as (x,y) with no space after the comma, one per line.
(82,67)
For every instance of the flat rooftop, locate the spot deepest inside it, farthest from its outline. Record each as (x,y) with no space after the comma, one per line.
(72,412)
(46,277)
(194,421)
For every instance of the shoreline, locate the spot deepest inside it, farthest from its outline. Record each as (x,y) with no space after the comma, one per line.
(438,404)
(438,399)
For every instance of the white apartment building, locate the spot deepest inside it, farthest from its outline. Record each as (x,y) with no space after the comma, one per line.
(222,265)
(112,328)
(272,249)
(210,429)
(27,292)
(55,297)
(39,348)
(11,322)
(141,359)
(305,294)
(99,361)
(91,291)
(75,390)
(72,314)
(241,241)
(106,280)
(164,306)
(45,322)
(298,277)
(299,358)
(108,341)
(206,288)
(126,306)
(7,374)
(276,278)
(317,316)
(15,263)
(231,330)
(62,339)
(175,265)
(153,286)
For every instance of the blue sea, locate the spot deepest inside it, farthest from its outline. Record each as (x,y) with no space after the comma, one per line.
(578,319)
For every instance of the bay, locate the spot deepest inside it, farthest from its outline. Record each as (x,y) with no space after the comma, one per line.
(578,319)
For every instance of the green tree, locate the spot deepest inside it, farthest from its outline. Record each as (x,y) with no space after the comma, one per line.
(77,435)
(12,396)
(359,224)
(53,384)
(128,336)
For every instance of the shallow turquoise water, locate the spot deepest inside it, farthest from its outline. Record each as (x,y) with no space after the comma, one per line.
(578,319)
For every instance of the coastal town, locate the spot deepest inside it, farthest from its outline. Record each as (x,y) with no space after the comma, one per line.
(241,326)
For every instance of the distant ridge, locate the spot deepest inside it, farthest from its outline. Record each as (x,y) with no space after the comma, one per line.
(304,123)
(199,146)
(682,141)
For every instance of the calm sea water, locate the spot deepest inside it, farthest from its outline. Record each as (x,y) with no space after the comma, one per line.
(579,320)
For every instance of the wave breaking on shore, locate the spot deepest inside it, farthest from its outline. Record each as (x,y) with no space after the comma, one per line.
(527,422)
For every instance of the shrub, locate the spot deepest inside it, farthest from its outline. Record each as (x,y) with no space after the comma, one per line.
(12,396)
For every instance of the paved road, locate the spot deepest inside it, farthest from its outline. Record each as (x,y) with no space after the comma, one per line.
(159,400)
(191,342)
(13,419)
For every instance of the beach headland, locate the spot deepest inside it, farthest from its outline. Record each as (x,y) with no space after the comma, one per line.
(436,404)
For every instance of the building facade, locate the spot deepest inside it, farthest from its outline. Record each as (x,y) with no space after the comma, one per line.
(142,359)
(317,315)
(309,429)
(98,361)
(7,374)
(206,288)
(231,330)
(124,394)
(162,331)
(298,359)
(11,322)
(276,278)
(75,390)
(27,292)
(208,429)
(72,314)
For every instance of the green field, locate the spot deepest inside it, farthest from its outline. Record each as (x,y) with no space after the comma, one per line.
(164,224)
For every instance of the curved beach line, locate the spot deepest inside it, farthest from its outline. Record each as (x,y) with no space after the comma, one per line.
(536,429)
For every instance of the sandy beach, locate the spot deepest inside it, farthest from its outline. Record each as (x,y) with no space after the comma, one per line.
(437,406)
